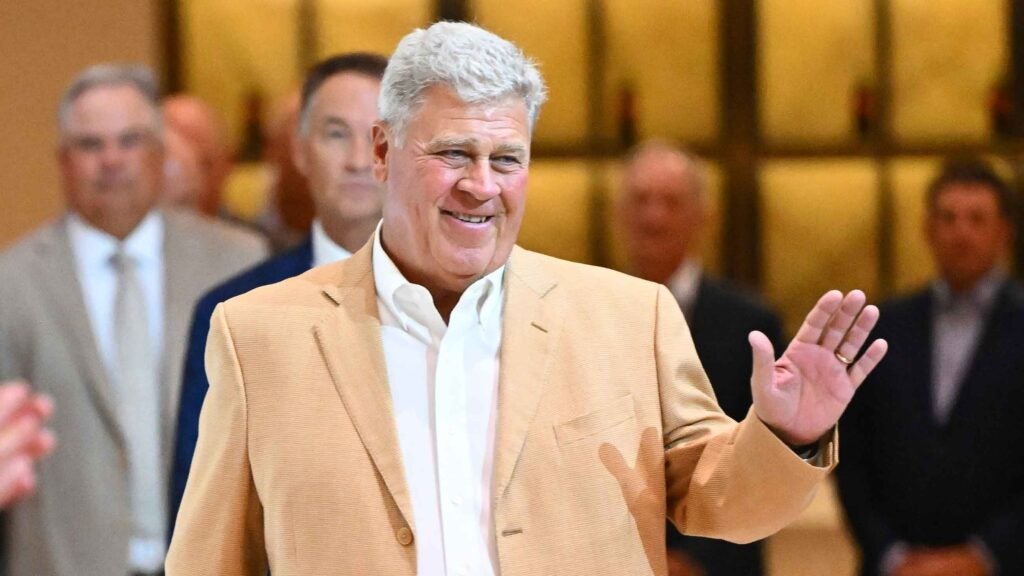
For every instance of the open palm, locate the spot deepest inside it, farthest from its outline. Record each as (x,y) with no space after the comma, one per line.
(802,394)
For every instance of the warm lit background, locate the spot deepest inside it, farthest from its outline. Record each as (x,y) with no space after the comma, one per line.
(822,121)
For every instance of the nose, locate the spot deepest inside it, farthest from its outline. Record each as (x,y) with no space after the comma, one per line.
(360,155)
(111,156)
(479,180)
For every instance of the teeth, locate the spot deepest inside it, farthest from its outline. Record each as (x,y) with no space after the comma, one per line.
(468,218)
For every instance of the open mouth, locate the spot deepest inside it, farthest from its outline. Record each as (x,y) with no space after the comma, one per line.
(467,218)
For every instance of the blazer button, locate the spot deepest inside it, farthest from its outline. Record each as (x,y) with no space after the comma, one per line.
(404,536)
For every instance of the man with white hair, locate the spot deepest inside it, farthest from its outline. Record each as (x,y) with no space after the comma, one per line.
(444,402)
(94,308)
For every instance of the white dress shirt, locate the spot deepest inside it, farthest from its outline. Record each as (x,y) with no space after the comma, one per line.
(684,284)
(443,383)
(93,250)
(97,276)
(325,250)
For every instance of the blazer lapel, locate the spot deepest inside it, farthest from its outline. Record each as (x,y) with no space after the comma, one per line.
(58,270)
(350,342)
(532,319)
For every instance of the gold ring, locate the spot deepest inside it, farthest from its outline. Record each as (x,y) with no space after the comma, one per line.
(842,358)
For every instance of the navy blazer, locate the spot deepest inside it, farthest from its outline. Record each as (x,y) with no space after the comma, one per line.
(721,318)
(194,383)
(906,477)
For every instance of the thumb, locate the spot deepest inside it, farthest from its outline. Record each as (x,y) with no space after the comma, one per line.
(764,360)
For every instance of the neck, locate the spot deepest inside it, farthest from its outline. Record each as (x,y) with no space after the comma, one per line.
(659,271)
(349,234)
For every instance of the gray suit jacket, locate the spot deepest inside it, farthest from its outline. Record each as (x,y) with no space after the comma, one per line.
(78,522)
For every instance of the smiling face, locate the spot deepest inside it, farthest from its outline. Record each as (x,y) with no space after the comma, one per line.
(456,189)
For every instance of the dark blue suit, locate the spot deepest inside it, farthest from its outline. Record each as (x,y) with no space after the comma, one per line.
(194,383)
(906,477)
(720,320)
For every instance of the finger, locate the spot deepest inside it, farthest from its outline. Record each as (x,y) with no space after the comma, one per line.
(16,435)
(858,334)
(842,320)
(42,445)
(42,404)
(817,319)
(862,367)
(764,359)
(13,397)
(16,480)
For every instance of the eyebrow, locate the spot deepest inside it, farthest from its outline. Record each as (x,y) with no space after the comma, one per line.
(455,142)
(336,120)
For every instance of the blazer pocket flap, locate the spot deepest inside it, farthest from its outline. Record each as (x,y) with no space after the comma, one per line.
(593,422)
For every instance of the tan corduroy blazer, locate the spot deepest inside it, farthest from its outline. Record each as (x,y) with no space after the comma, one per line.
(604,418)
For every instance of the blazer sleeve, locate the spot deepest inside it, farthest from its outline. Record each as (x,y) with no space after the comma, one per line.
(735,482)
(220,524)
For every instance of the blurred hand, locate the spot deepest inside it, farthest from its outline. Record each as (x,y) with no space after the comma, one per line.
(23,439)
(802,395)
(962,560)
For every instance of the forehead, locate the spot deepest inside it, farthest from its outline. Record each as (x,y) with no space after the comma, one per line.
(347,94)
(104,109)
(967,195)
(661,171)
(441,114)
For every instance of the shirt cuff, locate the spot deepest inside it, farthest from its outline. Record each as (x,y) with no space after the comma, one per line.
(986,554)
(893,558)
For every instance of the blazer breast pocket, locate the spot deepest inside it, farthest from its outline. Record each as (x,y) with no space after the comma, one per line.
(616,414)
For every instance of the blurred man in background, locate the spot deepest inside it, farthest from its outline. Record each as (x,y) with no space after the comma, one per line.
(202,128)
(183,185)
(94,309)
(332,150)
(932,476)
(663,211)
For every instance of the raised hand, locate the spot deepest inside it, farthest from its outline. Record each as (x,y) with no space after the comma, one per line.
(803,394)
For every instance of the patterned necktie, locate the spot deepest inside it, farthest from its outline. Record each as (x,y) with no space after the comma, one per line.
(138,391)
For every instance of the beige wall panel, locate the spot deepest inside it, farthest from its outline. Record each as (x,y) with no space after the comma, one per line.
(44,44)
(812,57)
(711,248)
(912,261)
(668,53)
(234,47)
(357,25)
(558,209)
(820,220)
(555,35)
(947,56)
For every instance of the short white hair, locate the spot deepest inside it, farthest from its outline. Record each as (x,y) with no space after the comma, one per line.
(481,68)
(137,76)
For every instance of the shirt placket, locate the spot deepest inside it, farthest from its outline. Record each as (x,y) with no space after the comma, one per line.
(454,467)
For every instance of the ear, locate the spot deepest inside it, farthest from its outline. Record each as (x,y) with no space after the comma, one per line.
(381,146)
(299,157)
